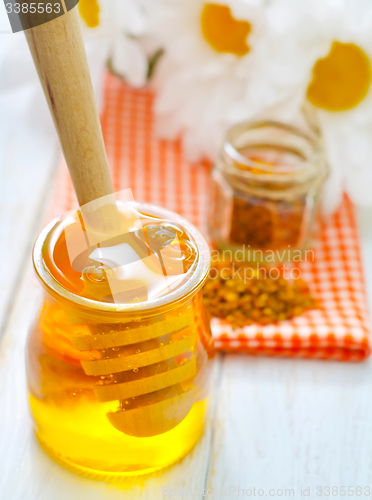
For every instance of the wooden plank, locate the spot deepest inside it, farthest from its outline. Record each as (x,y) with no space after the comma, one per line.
(27,169)
(283,424)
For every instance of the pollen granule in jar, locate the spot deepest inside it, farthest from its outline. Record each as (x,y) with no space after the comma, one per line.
(265,189)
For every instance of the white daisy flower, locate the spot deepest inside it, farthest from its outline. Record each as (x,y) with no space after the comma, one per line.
(117,27)
(321,51)
(210,55)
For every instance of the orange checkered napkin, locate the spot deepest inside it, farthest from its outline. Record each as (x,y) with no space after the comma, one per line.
(157,173)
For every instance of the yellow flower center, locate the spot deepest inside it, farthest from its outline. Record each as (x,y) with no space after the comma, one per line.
(341,79)
(89,11)
(222,31)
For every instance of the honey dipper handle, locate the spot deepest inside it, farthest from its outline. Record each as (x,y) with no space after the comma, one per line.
(60,59)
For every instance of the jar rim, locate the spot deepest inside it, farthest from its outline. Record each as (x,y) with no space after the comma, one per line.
(187,289)
(278,173)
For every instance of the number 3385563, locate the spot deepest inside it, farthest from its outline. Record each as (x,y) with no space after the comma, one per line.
(32,8)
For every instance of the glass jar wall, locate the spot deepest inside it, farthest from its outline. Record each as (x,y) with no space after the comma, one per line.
(120,389)
(265,189)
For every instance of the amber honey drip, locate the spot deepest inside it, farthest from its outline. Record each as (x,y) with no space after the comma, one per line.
(117,395)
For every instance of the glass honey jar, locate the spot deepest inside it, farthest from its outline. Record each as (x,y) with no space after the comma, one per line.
(119,381)
(265,191)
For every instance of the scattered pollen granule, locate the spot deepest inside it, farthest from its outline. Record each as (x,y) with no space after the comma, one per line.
(242,295)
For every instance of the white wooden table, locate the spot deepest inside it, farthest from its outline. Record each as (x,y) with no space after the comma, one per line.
(278,426)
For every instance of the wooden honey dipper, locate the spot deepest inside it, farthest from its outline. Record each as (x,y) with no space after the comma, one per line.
(151,384)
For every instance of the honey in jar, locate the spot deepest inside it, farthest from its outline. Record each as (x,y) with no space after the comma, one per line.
(119,360)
